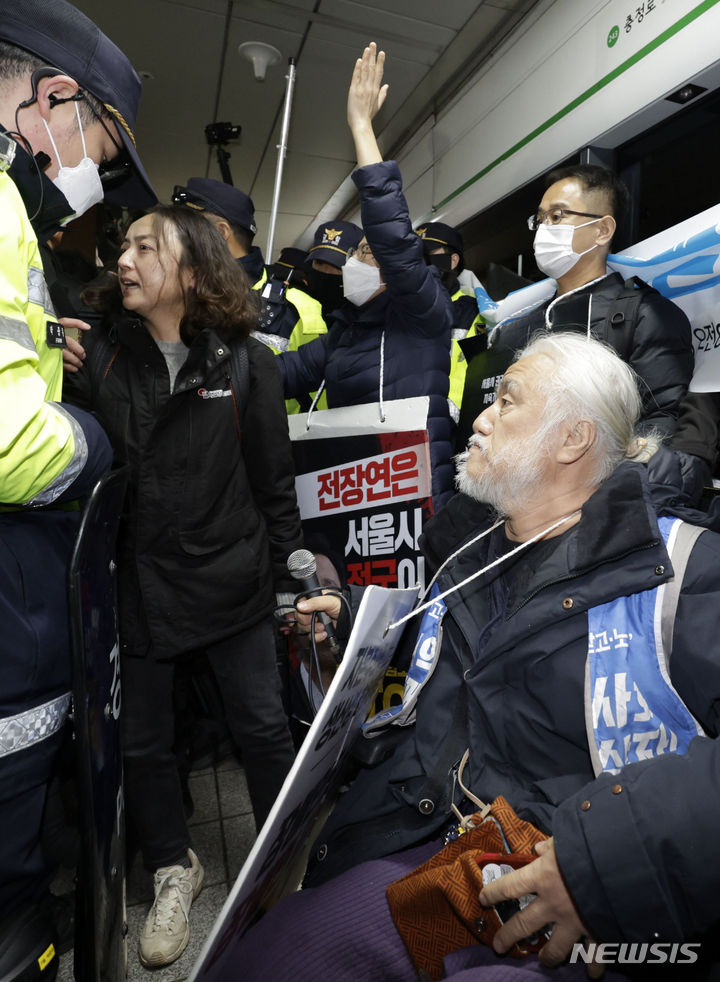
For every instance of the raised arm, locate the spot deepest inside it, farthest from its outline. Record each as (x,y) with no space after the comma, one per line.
(422,302)
(365,98)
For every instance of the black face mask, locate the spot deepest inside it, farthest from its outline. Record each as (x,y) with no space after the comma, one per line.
(327,288)
(442,260)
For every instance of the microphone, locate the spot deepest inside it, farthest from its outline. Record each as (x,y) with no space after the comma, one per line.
(302,567)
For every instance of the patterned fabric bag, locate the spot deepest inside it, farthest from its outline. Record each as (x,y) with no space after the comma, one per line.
(436,907)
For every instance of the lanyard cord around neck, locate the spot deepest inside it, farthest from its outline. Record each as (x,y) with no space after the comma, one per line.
(485,569)
(381,387)
(564,296)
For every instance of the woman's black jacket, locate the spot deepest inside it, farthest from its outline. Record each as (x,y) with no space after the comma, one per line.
(211,514)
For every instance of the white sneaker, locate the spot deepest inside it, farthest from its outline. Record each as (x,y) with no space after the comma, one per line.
(167,932)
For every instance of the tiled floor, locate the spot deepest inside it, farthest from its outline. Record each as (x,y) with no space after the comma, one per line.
(223,832)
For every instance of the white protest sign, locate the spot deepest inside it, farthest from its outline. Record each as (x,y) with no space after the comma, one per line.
(400,415)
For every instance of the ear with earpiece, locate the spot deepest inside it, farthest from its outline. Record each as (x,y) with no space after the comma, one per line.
(35,79)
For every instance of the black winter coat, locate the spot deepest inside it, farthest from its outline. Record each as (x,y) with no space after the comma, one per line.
(657,345)
(415,313)
(641,864)
(211,517)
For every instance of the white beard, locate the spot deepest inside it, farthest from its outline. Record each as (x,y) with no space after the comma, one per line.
(509,477)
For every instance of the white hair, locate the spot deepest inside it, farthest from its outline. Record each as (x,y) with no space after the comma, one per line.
(589,381)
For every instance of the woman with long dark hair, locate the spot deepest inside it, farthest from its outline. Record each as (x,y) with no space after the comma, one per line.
(195,408)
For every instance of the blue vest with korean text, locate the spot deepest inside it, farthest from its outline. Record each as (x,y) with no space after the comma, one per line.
(632,710)
(424,659)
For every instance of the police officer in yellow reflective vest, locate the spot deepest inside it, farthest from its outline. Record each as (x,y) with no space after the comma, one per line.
(443,247)
(289,317)
(70,98)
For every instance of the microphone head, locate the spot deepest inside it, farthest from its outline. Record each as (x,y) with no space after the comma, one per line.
(301,564)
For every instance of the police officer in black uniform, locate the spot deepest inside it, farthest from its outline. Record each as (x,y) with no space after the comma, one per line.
(289,317)
(327,254)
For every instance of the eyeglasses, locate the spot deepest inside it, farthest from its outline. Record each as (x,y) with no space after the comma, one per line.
(554,217)
(363,253)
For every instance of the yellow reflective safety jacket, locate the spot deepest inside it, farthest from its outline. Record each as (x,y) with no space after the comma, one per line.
(42,448)
(301,321)
(458,362)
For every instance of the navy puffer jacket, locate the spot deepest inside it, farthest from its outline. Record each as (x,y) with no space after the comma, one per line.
(414,314)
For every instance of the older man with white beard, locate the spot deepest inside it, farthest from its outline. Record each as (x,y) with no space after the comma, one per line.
(563,597)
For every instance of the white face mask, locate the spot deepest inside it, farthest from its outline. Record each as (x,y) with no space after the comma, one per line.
(81,184)
(360,281)
(553,248)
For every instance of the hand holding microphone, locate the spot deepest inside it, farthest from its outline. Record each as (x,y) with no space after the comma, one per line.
(303,567)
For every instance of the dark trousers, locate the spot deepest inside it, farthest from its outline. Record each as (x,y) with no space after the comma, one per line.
(24,778)
(34,668)
(248,679)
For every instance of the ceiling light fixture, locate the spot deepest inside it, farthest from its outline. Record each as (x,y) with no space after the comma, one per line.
(261,55)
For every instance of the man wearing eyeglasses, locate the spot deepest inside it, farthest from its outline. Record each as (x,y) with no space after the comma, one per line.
(68,101)
(574,226)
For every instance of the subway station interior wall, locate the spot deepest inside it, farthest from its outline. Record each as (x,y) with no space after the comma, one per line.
(551,60)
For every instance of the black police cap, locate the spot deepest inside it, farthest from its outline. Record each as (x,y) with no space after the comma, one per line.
(332,241)
(221,199)
(65,38)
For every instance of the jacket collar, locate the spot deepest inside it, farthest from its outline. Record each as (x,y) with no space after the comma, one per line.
(207,351)
(371,314)
(253,264)
(617,532)
(572,308)
(617,520)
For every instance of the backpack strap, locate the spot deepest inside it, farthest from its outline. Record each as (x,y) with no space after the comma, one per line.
(623,314)
(685,538)
(239,377)
(103,354)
